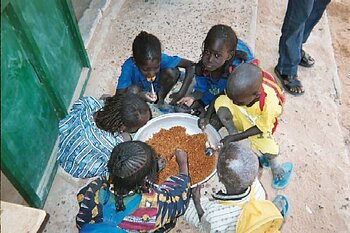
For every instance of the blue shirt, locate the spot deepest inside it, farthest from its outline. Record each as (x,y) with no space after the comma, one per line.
(211,87)
(84,149)
(132,75)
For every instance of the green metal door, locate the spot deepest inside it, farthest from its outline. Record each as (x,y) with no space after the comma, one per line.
(41,59)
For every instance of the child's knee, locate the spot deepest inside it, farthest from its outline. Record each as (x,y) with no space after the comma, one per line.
(224,115)
(133,89)
(170,74)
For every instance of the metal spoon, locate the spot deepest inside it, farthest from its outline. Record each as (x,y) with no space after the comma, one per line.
(210,150)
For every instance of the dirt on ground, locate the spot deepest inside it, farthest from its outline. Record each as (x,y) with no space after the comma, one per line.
(339,20)
(319,192)
(314,130)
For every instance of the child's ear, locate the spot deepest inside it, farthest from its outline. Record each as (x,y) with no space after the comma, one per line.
(231,55)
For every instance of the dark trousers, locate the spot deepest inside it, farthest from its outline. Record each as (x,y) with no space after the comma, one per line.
(300,19)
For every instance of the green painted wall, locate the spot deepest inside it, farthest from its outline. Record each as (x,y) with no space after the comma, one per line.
(42,56)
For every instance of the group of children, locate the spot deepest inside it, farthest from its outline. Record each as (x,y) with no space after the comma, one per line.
(225,88)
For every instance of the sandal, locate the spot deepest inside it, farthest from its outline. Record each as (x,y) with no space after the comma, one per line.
(282,205)
(278,183)
(263,161)
(289,82)
(306,60)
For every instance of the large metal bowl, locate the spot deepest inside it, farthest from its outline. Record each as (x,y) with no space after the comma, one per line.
(185,120)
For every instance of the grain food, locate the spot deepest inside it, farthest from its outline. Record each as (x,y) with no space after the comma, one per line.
(166,141)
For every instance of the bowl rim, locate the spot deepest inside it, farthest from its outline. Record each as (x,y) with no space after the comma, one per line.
(185,115)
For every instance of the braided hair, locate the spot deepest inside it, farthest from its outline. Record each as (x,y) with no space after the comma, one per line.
(146,47)
(226,33)
(130,164)
(121,109)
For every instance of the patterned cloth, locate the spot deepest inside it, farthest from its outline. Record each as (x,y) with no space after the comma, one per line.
(132,75)
(219,217)
(156,211)
(84,149)
(246,117)
(211,87)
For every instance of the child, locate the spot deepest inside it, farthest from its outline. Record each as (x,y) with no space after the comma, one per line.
(90,131)
(252,107)
(222,52)
(237,170)
(126,201)
(150,72)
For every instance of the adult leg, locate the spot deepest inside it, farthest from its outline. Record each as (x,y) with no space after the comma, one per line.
(167,79)
(317,11)
(318,8)
(290,43)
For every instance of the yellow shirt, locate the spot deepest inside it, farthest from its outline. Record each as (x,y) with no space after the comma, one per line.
(245,117)
(264,119)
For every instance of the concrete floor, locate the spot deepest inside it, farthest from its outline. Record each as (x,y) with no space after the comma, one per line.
(181,25)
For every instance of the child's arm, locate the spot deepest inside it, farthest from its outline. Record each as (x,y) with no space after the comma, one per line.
(189,74)
(202,122)
(188,100)
(243,135)
(196,196)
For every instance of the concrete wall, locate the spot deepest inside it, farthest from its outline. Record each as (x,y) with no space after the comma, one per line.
(9,193)
(79,7)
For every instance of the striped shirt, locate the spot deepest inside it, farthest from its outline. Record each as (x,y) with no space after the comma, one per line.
(84,149)
(218,217)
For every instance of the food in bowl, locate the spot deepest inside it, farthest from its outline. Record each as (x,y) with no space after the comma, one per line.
(166,141)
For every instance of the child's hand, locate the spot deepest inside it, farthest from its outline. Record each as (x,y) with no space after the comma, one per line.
(175,97)
(151,97)
(188,101)
(181,159)
(203,122)
(230,138)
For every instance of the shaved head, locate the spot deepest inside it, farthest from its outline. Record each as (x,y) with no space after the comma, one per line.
(244,79)
(237,166)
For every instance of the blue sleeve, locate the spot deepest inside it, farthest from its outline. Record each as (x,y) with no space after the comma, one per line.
(86,103)
(125,78)
(243,47)
(167,61)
